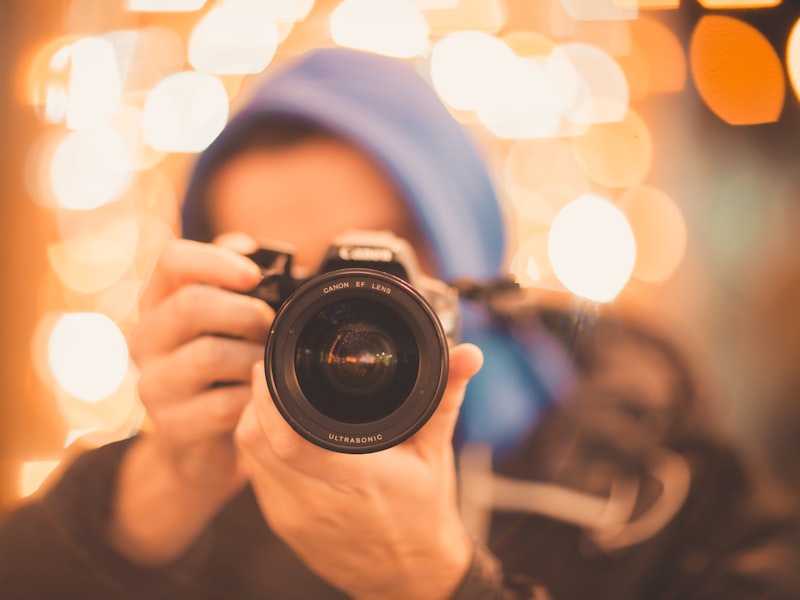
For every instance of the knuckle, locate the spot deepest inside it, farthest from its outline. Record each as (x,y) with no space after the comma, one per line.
(206,353)
(188,300)
(227,407)
(285,446)
(147,389)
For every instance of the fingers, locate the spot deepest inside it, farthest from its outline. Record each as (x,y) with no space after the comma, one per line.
(184,261)
(194,367)
(194,310)
(265,435)
(214,413)
(465,361)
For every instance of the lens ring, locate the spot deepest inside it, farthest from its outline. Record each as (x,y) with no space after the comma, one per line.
(353,286)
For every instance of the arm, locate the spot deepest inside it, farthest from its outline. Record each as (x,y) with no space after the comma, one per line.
(382,525)
(194,331)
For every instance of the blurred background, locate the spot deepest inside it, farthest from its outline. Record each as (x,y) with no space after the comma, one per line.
(646,150)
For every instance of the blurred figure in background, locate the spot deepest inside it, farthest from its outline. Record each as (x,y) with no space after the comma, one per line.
(580,465)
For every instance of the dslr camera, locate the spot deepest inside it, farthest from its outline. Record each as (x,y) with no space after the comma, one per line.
(357,356)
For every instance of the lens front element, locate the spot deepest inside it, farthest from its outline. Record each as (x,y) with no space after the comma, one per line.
(356,360)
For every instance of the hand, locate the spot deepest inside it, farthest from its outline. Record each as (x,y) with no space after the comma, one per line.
(380,525)
(194,332)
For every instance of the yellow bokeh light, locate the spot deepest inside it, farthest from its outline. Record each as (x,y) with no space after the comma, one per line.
(660,231)
(529,44)
(736,70)
(165,5)
(235,37)
(88,355)
(650,4)
(185,112)
(146,55)
(118,416)
(542,176)
(598,10)
(531,264)
(488,16)
(592,85)
(89,168)
(592,248)
(616,155)
(389,27)
(465,66)
(33,473)
(128,123)
(95,260)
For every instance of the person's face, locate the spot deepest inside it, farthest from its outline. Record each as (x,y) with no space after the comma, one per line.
(305,194)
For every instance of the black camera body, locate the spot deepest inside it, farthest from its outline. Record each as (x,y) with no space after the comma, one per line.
(357,356)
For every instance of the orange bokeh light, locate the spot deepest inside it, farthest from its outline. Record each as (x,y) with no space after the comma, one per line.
(737,72)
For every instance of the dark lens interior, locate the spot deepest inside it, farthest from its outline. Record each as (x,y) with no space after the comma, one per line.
(356,360)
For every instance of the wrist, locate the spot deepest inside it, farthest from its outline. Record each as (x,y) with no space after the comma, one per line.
(157,514)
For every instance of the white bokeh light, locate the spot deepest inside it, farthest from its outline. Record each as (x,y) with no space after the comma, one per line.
(89,168)
(185,112)
(592,248)
(592,85)
(524,104)
(94,88)
(468,66)
(88,355)
(236,37)
(389,27)
(165,5)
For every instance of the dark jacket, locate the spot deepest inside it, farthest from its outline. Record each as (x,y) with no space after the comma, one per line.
(621,491)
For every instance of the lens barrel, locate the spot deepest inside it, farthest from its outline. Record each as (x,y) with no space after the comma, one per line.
(356,360)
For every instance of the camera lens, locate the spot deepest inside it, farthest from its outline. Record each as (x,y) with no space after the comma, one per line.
(356,360)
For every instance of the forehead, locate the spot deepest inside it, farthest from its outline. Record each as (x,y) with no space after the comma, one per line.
(305,193)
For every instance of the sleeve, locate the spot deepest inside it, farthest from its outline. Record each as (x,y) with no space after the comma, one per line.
(485,580)
(58,542)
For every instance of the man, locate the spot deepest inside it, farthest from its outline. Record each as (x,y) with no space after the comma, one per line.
(581,464)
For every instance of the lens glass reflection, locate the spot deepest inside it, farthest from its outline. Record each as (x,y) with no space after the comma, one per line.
(356,361)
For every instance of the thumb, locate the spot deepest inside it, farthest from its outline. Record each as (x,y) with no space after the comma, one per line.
(465,362)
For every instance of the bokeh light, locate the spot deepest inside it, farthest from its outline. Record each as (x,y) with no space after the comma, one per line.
(616,155)
(739,3)
(33,473)
(598,10)
(656,63)
(737,71)
(523,102)
(592,85)
(466,66)
(488,16)
(95,89)
(659,229)
(88,355)
(793,58)
(566,97)
(237,36)
(93,261)
(390,27)
(185,112)
(592,248)
(542,176)
(165,5)
(89,168)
